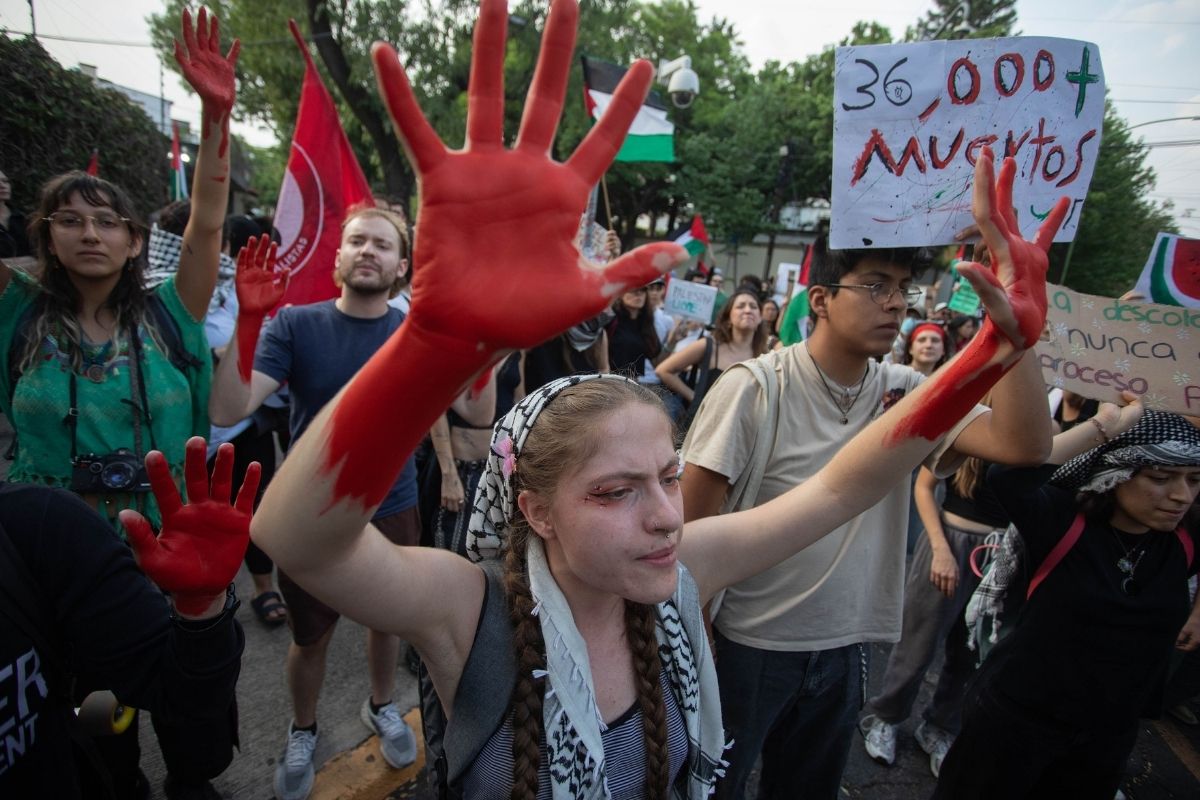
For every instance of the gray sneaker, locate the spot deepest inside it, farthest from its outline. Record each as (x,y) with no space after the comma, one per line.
(936,742)
(880,739)
(396,739)
(294,775)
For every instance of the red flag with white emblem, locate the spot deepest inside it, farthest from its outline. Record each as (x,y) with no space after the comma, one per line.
(323,180)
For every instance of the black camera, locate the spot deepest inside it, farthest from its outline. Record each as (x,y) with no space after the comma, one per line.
(119,471)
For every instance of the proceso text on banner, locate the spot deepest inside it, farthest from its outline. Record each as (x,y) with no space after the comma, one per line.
(910,119)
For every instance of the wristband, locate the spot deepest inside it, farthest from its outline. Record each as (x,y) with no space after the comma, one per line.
(197,625)
(1104,437)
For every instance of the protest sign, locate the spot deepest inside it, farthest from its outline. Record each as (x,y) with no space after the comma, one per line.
(690,300)
(964,300)
(785,278)
(1172,273)
(1098,347)
(909,120)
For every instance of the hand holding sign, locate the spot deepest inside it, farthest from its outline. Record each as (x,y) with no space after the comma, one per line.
(516,211)
(1013,290)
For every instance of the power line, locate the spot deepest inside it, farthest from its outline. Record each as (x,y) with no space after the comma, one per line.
(119,43)
(1162,102)
(1110,21)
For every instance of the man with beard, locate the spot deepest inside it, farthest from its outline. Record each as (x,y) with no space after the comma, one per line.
(316,349)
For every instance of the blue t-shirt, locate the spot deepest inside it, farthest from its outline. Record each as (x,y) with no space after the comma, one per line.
(316,349)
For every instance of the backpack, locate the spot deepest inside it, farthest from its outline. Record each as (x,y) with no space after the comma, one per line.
(164,324)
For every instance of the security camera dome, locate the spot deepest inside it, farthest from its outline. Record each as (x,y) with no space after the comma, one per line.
(683,87)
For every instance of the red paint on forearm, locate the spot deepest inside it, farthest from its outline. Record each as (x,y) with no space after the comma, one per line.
(478,386)
(389,406)
(954,390)
(248,328)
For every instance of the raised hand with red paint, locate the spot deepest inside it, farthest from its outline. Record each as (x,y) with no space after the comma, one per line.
(260,288)
(1013,287)
(206,70)
(200,547)
(504,220)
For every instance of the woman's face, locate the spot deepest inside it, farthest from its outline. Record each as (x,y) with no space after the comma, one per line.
(613,525)
(92,242)
(635,300)
(927,348)
(745,314)
(770,312)
(1155,498)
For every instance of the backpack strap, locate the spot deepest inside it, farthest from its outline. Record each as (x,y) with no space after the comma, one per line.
(486,686)
(172,337)
(1058,553)
(1188,547)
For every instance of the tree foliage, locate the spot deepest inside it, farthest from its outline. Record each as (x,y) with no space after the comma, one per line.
(956,19)
(54,117)
(1119,222)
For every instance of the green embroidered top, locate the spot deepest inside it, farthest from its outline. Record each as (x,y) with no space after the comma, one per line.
(178,400)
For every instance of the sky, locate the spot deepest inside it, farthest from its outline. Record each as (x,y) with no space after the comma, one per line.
(1150,51)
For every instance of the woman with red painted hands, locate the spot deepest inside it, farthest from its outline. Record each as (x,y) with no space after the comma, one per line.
(580,667)
(84,340)
(75,612)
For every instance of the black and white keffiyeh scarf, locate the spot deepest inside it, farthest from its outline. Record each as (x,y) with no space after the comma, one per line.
(162,254)
(1158,438)
(571,717)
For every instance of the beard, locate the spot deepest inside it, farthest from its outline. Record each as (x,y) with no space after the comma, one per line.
(367,283)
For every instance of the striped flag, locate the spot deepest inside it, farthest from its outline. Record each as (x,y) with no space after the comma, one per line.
(651,136)
(693,238)
(794,326)
(179,187)
(1172,274)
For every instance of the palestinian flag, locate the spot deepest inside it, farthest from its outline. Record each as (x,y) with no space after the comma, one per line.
(651,136)
(795,319)
(179,187)
(693,238)
(1172,274)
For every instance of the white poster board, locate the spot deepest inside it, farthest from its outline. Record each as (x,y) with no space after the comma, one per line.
(785,278)
(909,120)
(690,300)
(1098,346)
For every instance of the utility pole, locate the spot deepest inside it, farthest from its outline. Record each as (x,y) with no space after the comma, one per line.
(787,160)
(32,21)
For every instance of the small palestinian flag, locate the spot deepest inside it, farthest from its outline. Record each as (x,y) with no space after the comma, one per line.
(794,326)
(693,238)
(179,188)
(651,136)
(1172,274)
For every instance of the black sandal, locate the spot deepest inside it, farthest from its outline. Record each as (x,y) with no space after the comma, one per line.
(269,609)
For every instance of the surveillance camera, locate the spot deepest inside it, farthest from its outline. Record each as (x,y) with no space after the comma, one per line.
(683,87)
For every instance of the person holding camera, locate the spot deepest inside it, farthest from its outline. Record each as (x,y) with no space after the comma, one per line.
(98,370)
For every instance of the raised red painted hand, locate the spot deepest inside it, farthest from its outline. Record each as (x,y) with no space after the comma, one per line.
(504,220)
(201,544)
(208,72)
(260,287)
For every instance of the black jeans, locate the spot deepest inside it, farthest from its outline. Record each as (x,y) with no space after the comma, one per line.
(798,709)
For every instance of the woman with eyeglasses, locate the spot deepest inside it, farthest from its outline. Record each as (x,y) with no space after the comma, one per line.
(97,370)
(1054,709)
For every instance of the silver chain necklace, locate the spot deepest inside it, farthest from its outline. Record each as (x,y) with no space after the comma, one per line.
(1128,563)
(845,411)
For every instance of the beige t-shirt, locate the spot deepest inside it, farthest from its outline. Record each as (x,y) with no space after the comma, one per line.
(848,586)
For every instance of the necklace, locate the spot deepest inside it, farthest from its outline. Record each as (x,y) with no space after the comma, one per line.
(846,398)
(1128,563)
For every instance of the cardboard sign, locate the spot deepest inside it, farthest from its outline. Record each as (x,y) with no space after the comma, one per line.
(909,120)
(1098,347)
(1172,272)
(690,300)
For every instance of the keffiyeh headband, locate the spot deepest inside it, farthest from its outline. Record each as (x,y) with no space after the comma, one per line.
(495,502)
(1158,438)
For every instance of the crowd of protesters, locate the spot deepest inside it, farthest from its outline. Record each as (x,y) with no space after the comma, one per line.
(671,541)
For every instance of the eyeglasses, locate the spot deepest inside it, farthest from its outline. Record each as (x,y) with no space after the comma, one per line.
(70,222)
(881,293)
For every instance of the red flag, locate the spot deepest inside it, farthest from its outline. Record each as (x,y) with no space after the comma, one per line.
(323,180)
(93,167)
(805,266)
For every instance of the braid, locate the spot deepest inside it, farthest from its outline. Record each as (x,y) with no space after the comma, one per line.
(639,626)
(526,701)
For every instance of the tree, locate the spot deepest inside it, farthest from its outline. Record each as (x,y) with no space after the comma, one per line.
(1119,223)
(54,117)
(966,19)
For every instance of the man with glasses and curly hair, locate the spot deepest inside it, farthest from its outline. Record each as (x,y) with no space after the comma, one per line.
(792,642)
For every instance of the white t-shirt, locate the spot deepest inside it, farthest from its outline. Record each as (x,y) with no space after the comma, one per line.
(847,587)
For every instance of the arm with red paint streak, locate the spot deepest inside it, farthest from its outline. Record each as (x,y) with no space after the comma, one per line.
(211,75)
(495,269)
(887,451)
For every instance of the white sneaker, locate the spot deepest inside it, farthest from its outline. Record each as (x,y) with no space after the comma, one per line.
(880,739)
(396,739)
(936,742)
(294,775)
